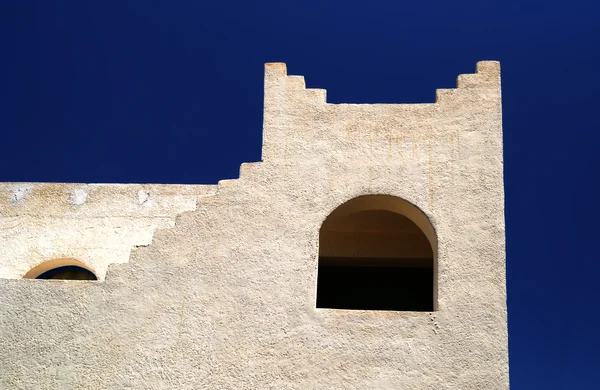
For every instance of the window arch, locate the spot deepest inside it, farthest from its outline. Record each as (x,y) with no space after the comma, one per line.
(65,269)
(377,252)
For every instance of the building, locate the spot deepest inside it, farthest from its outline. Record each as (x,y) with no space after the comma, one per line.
(365,251)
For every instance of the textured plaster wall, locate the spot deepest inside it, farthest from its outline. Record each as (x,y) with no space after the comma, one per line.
(97,224)
(224,298)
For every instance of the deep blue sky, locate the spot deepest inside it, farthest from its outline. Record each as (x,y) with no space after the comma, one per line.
(171,92)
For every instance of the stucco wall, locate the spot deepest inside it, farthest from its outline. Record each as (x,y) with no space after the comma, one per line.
(97,224)
(224,296)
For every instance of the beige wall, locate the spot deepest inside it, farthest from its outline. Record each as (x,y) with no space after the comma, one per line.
(214,287)
(96,224)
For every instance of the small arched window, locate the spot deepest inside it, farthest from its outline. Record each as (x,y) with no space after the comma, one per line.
(377,252)
(65,269)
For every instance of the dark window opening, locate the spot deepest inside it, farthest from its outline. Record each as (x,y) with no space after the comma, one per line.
(69,272)
(375,288)
(371,257)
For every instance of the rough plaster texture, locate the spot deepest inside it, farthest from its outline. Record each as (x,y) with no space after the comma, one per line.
(97,224)
(224,296)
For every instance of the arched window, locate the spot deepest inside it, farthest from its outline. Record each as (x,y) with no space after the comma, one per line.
(66,269)
(377,252)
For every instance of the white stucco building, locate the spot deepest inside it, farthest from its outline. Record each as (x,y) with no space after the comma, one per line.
(365,251)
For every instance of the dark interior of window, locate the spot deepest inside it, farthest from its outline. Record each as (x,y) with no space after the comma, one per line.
(375,288)
(374,260)
(69,272)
